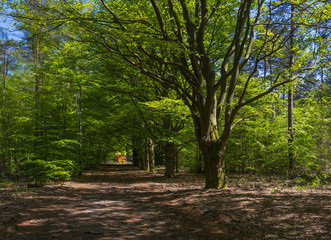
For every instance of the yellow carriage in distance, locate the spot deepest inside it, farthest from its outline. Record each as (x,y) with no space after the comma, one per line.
(119,158)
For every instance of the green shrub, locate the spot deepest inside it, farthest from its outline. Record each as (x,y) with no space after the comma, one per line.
(41,171)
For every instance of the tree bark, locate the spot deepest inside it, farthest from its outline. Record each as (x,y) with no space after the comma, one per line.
(199,161)
(147,157)
(170,159)
(290,129)
(3,107)
(151,154)
(214,158)
(135,152)
(80,126)
(35,46)
(290,99)
(141,157)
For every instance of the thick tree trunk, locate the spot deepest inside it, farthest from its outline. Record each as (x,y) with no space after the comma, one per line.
(212,147)
(214,159)
(170,159)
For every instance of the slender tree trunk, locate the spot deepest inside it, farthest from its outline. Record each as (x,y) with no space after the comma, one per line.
(243,159)
(37,88)
(271,82)
(322,84)
(265,72)
(3,121)
(290,129)
(80,126)
(147,156)
(170,158)
(270,67)
(65,107)
(3,114)
(3,135)
(141,157)
(135,152)
(151,154)
(141,160)
(290,98)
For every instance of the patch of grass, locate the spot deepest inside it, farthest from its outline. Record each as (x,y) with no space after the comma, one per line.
(298,187)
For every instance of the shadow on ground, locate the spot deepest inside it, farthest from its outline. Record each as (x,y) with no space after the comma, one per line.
(121,202)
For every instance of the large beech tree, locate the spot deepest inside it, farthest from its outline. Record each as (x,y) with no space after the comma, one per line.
(207,51)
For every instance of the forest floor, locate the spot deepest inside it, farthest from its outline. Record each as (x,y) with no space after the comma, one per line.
(122,202)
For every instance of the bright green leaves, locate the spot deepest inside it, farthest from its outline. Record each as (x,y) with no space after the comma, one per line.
(41,171)
(169,107)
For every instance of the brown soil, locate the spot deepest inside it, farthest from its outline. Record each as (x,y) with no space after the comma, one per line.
(121,202)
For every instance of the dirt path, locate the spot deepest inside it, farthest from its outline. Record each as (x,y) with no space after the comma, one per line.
(120,202)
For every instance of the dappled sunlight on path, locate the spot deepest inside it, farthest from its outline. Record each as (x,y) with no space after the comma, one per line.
(121,202)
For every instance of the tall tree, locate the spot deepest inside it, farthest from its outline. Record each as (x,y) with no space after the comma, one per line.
(291,94)
(7,64)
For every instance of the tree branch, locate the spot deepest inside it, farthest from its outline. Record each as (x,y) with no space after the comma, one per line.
(243,119)
(160,19)
(114,16)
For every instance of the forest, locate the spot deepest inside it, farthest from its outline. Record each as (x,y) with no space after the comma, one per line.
(219,95)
